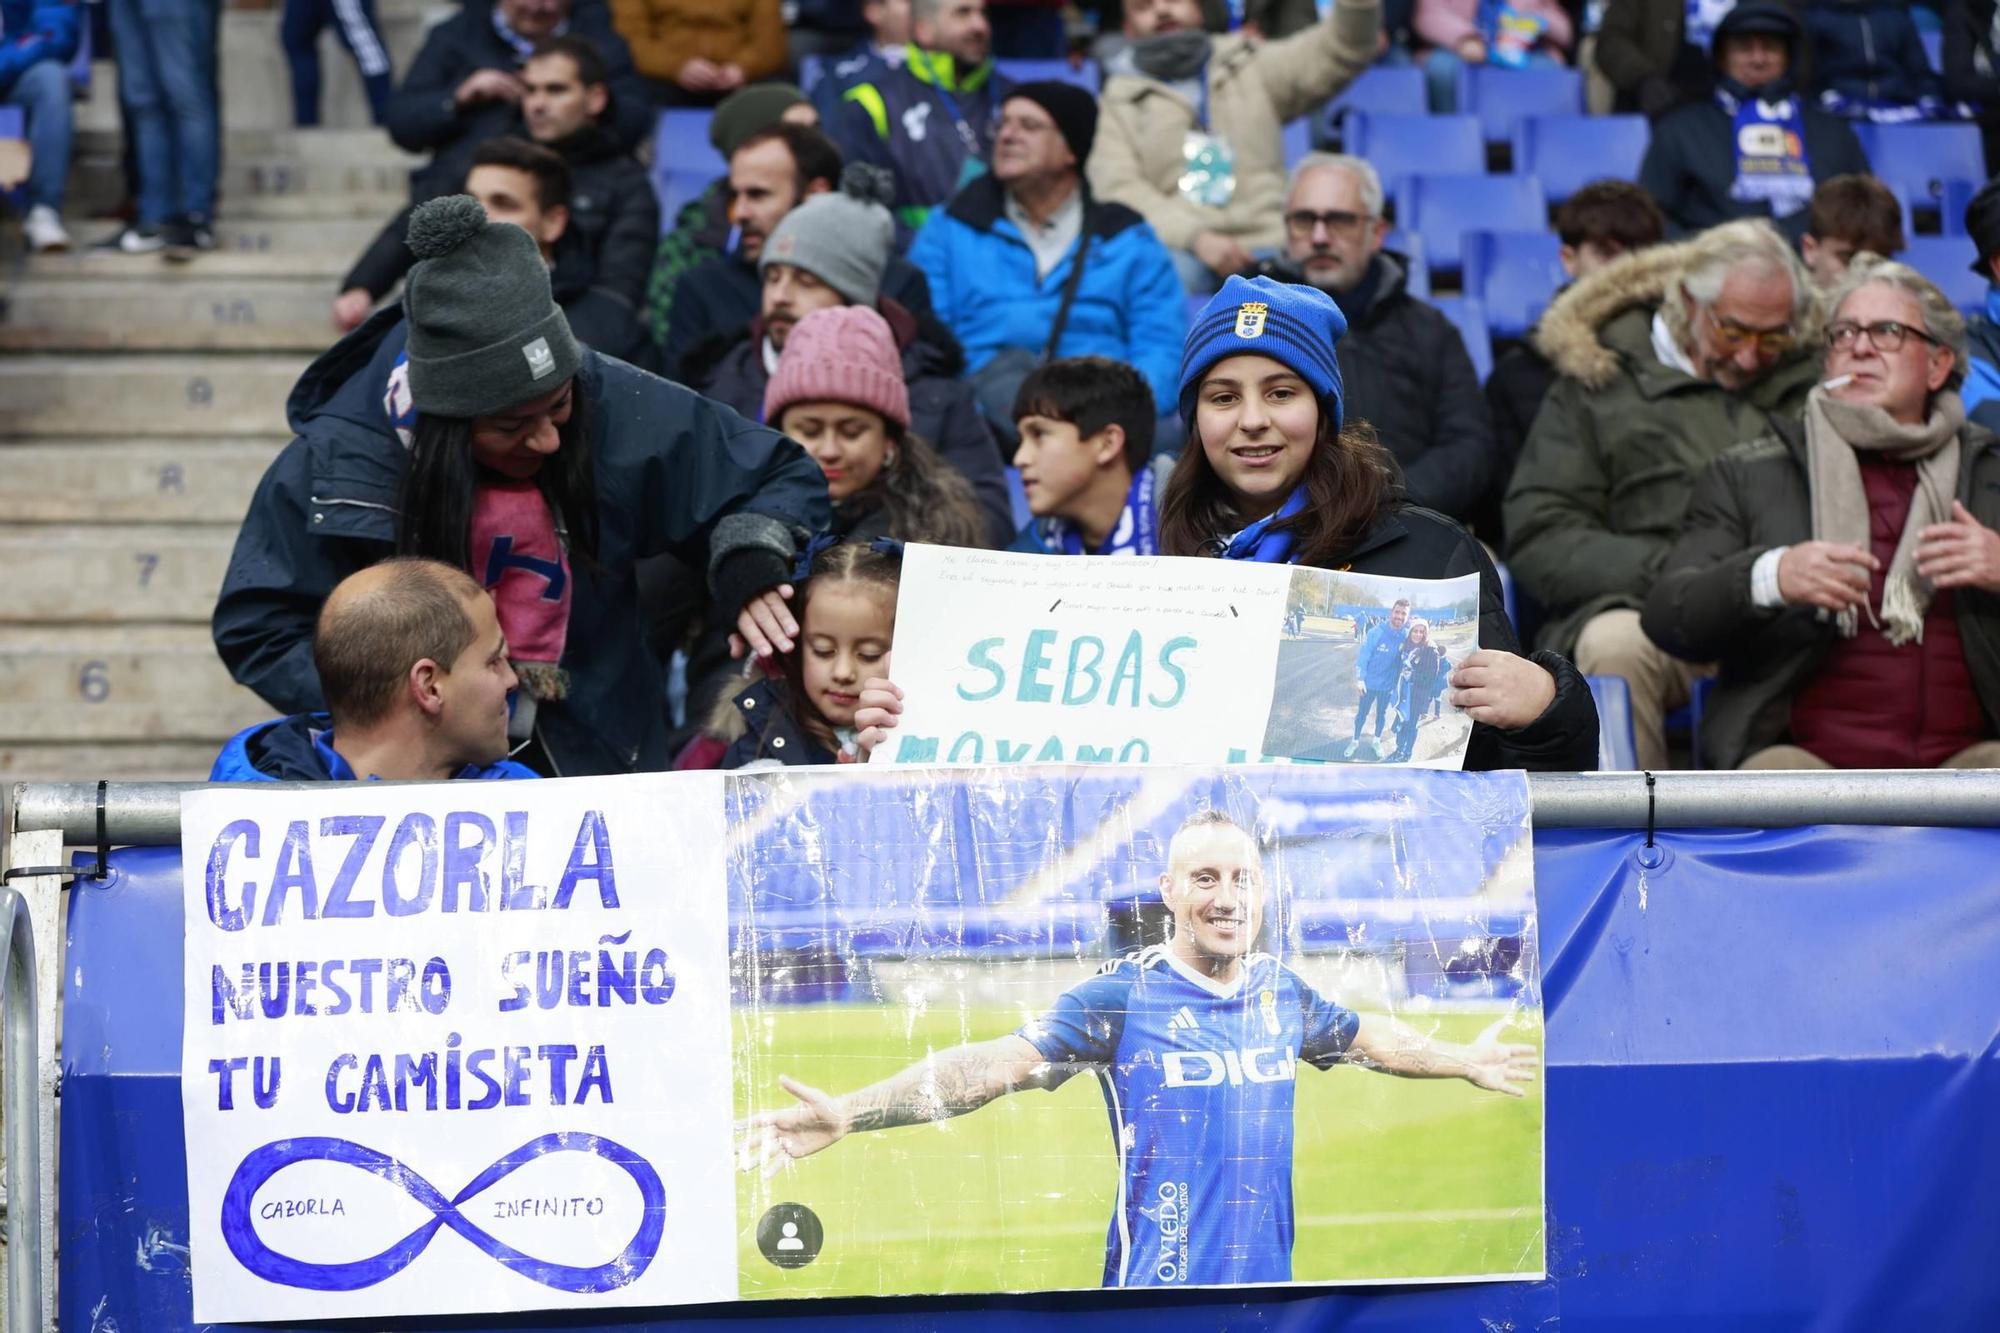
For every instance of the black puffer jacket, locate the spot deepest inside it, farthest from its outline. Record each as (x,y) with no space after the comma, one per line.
(1750,500)
(423,116)
(1408,375)
(1413,543)
(1521,379)
(1690,164)
(942,408)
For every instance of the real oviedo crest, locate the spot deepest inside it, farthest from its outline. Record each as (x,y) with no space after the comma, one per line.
(1250,319)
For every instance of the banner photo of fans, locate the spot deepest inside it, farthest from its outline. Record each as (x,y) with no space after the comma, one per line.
(1016,659)
(1028,1029)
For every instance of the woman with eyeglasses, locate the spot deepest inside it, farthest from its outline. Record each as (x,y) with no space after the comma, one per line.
(1845,569)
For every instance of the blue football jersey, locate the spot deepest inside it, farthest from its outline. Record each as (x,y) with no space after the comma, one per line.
(1198,1079)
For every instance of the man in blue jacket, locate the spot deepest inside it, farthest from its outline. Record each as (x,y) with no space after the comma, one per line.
(1001,257)
(415,670)
(37,41)
(1378,664)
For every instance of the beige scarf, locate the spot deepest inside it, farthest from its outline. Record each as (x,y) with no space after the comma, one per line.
(1835,433)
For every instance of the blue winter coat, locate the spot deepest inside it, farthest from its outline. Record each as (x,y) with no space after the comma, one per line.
(675,475)
(300,749)
(983,286)
(36,30)
(1381,657)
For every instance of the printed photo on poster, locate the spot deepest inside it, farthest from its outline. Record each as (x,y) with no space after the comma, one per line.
(1364,669)
(1019,1030)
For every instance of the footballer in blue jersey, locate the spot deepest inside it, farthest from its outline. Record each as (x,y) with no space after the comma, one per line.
(1197,1044)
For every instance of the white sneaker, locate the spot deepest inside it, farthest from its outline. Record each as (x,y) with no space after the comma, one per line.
(44,230)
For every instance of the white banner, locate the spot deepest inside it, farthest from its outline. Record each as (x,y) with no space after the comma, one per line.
(457,1048)
(1018,658)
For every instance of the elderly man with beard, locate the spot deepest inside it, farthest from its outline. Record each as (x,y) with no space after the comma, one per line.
(1408,371)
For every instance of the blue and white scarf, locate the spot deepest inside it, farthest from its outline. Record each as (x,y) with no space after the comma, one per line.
(1771,163)
(1137,531)
(1263,541)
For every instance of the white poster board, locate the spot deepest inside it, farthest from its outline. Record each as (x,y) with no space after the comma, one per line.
(1008,657)
(457,1048)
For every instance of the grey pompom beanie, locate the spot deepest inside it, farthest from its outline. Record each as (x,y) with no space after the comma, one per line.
(842,237)
(485,332)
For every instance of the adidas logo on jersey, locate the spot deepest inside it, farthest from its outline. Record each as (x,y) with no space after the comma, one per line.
(1183,1021)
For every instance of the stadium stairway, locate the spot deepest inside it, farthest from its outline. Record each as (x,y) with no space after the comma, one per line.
(140,401)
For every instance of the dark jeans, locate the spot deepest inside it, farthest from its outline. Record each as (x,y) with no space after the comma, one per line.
(43,92)
(166,78)
(354,20)
(1379,701)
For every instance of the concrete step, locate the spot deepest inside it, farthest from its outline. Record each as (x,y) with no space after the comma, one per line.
(146,397)
(84,313)
(322,248)
(113,574)
(124,684)
(278,143)
(253,190)
(138,761)
(132,481)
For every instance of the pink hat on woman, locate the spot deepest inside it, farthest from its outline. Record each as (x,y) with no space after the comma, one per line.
(842,355)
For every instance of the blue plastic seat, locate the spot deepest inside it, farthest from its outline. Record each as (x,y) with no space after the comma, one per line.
(680,144)
(1470,317)
(1298,140)
(1085,76)
(1389,90)
(1933,40)
(1442,208)
(1514,274)
(1502,97)
(1617,752)
(1957,194)
(675,190)
(1417,278)
(1947,261)
(1400,146)
(1923,160)
(1567,153)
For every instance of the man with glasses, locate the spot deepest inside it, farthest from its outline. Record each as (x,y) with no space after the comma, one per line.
(1407,369)
(1844,569)
(1667,358)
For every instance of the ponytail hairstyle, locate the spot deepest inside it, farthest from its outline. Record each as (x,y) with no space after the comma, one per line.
(828,562)
(439,482)
(1348,478)
(922,497)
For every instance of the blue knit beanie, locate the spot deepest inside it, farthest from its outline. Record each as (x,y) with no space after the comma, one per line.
(1288,322)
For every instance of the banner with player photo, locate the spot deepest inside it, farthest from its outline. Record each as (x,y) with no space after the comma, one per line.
(1099,659)
(683,1038)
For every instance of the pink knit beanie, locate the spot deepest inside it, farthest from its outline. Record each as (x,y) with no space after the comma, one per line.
(842,355)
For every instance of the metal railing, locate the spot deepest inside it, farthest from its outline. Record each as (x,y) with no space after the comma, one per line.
(149,813)
(20,1096)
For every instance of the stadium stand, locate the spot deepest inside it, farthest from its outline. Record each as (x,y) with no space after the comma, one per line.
(1922,161)
(1501,98)
(1399,146)
(1086,75)
(1469,314)
(1442,208)
(1568,152)
(1297,139)
(1946,261)
(1390,90)
(1514,274)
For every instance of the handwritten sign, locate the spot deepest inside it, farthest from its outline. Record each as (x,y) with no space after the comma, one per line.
(1015,658)
(456,1048)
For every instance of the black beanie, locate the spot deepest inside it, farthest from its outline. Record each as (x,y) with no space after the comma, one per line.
(1072,108)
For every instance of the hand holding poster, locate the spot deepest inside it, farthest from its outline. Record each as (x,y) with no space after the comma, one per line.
(1009,658)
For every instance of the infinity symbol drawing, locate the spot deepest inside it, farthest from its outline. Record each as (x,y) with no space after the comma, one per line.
(240,1231)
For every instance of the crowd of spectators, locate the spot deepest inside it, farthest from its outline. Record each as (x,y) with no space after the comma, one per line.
(1739,462)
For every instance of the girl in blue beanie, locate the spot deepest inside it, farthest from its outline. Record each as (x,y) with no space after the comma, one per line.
(1273,473)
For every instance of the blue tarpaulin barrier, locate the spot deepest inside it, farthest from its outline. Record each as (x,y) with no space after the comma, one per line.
(1773,1075)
